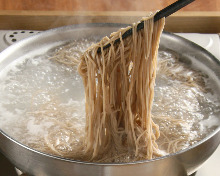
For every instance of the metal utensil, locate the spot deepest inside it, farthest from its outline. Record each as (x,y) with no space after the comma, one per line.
(181,163)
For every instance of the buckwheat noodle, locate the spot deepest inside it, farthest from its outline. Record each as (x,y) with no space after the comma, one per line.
(119,91)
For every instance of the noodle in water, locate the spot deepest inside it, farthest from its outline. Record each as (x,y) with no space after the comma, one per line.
(119,89)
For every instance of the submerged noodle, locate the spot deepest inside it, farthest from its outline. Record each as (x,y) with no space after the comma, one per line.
(119,89)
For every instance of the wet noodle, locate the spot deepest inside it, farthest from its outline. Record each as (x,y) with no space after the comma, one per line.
(119,90)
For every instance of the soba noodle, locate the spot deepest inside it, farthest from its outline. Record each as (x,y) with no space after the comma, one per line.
(119,90)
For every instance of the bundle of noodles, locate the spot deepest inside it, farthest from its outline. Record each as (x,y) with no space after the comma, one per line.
(119,89)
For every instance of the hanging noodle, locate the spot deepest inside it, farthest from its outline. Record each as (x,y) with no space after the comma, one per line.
(119,90)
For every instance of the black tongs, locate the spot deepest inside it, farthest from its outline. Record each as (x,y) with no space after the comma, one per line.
(167,11)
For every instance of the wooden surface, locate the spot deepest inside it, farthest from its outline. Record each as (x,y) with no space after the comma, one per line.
(200,22)
(201,16)
(104,5)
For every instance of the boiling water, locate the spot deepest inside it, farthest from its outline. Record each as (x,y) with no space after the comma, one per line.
(42,103)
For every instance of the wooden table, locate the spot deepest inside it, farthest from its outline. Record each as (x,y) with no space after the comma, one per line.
(184,21)
(104,5)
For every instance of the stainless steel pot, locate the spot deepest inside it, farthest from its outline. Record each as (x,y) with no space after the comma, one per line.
(178,164)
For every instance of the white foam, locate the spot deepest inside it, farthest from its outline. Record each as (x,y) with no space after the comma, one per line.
(36,84)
